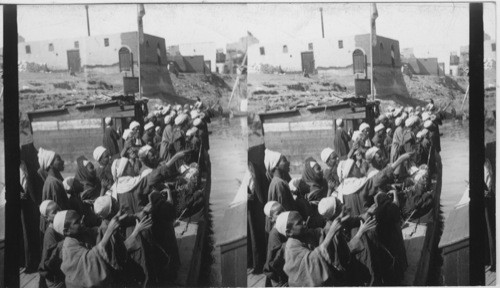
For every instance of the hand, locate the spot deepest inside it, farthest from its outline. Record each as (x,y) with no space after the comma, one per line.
(367,226)
(145,223)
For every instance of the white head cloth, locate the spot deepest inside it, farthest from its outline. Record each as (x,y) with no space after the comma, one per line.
(168,119)
(325,154)
(191,131)
(271,159)
(370,153)
(411,121)
(194,114)
(59,220)
(148,126)
(269,207)
(363,126)
(44,205)
(327,206)
(126,134)
(98,153)
(379,127)
(344,168)
(133,125)
(388,130)
(281,222)
(107,120)
(398,121)
(428,124)
(181,119)
(197,122)
(422,133)
(356,135)
(118,167)
(143,152)
(103,206)
(294,184)
(339,121)
(68,183)
(45,158)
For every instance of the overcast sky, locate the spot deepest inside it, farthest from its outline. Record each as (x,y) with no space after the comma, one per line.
(433,30)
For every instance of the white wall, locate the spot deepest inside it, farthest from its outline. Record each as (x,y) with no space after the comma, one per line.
(488,51)
(207,49)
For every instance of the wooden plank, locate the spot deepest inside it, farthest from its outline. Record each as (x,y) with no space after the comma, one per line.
(255,280)
(28,280)
(414,238)
(186,241)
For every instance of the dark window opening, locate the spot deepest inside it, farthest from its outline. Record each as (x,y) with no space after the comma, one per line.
(77,45)
(262,51)
(125,59)
(158,53)
(341,44)
(310,46)
(28,49)
(106,42)
(493,47)
(285,49)
(393,60)
(358,60)
(51,47)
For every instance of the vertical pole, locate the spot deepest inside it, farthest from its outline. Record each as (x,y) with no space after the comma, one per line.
(139,24)
(88,23)
(322,27)
(476,148)
(371,53)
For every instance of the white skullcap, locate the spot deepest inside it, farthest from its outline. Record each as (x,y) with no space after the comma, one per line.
(294,184)
(143,152)
(103,206)
(118,167)
(269,207)
(344,168)
(68,183)
(388,130)
(339,121)
(390,109)
(426,116)
(363,126)
(427,123)
(325,154)
(271,159)
(370,153)
(168,119)
(107,120)
(312,164)
(181,119)
(194,114)
(398,121)
(45,158)
(126,134)
(191,131)
(98,152)
(85,163)
(157,128)
(422,133)
(356,135)
(397,111)
(281,222)
(411,121)
(148,126)
(133,125)
(197,122)
(59,221)
(404,116)
(388,114)
(327,207)
(379,127)
(44,205)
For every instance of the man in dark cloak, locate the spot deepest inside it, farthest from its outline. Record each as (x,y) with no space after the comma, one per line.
(111,138)
(341,140)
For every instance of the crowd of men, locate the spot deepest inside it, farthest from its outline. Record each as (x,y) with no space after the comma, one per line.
(112,223)
(343,226)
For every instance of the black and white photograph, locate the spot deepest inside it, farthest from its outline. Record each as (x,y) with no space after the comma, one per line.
(359,117)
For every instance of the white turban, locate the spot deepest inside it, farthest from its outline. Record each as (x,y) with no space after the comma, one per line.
(363,126)
(356,135)
(181,119)
(148,126)
(271,159)
(126,134)
(398,121)
(344,168)
(68,183)
(294,184)
(325,154)
(388,114)
(388,130)
(44,205)
(98,152)
(397,112)
(143,152)
(269,207)
(164,110)
(118,167)
(197,122)
(404,116)
(339,121)
(327,207)
(191,131)
(281,222)
(157,128)
(45,158)
(411,121)
(194,114)
(107,120)
(133,125)
(390,109)
(59,221)
(426,116)
(379,127)
(422,133)
(103,206)
(370,153)
(428,124)
(168,119)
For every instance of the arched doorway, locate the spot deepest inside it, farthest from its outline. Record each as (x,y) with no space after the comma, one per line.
(358,61)
(125,59)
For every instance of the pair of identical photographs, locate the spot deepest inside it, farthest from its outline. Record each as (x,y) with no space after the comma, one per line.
(277,76)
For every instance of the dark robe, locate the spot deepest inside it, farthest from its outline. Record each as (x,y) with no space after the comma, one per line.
(387,146)
(84,265)
(157,141)
(341,142)
(50,265)
(90,184)
(53,189)
(148,139)
(275,260)
(317,189)
(105,176)
(332,178)
(166,146)
(279,191)
(205,139)
(179,139)
(110,140)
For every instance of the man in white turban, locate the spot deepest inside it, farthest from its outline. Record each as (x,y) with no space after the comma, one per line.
(341,140)
(149,134)
(45,158)
(53,188)
(273,268)
(331,159)
(110,138)
(49,271)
